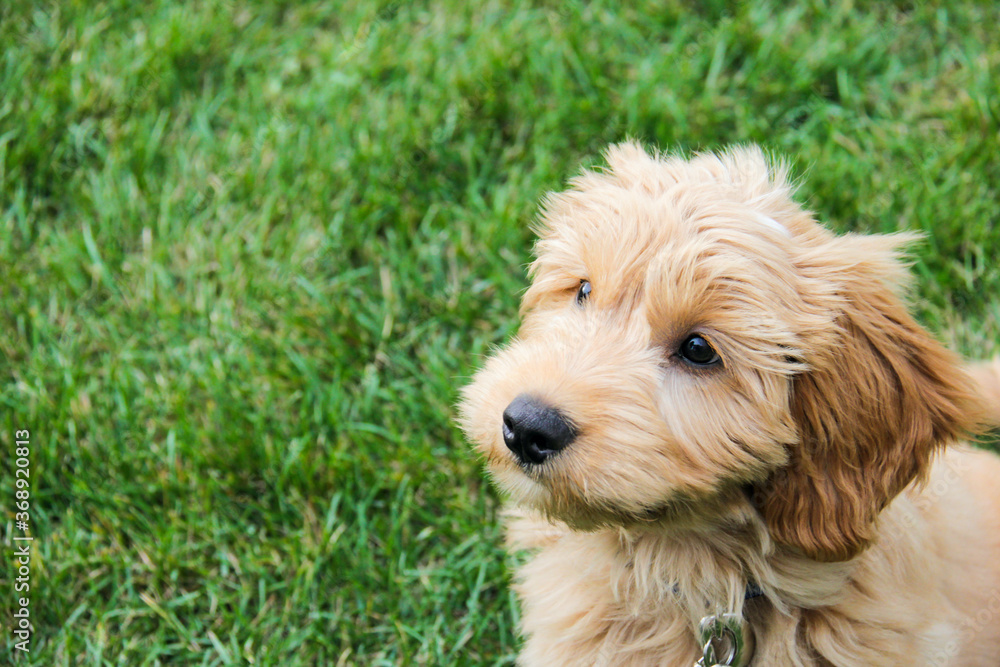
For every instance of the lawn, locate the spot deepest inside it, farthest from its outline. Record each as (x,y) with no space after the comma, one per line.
(249,251)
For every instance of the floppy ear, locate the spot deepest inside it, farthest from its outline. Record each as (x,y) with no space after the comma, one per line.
(874,406)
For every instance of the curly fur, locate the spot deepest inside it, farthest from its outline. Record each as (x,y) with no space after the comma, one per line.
(820,460)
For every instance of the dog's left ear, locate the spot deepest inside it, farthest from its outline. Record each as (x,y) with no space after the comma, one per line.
(878,400)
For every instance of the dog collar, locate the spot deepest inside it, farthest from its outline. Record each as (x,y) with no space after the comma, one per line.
(752,591)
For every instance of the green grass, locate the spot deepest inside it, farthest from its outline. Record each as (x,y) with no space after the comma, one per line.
(250,251)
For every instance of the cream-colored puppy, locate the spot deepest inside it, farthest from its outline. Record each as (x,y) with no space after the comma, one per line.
(716,406)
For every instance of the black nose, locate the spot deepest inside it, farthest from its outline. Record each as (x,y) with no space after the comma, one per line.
(534,431)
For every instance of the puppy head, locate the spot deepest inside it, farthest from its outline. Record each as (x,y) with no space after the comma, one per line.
(691,334)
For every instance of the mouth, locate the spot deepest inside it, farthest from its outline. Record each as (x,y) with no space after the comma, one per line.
(556,489)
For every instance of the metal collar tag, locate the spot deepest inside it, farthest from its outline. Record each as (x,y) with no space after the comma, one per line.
(727,641)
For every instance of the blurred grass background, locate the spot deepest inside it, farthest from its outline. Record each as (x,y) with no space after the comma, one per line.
(249,251)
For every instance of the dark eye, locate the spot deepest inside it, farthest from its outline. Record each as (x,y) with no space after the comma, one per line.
(584,291)
(697,351)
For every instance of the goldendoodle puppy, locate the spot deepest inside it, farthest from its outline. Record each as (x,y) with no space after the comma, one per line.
(721,432)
